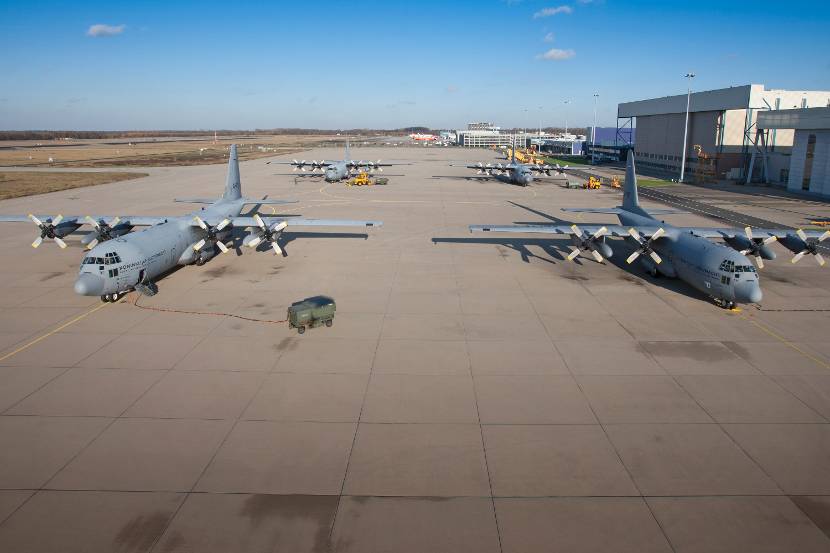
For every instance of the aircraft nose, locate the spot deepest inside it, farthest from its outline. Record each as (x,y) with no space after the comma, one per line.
(750,294)
(88,284)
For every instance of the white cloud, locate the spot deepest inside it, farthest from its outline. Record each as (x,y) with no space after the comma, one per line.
(547,12)
(105,30)
(548,37)
(556,54)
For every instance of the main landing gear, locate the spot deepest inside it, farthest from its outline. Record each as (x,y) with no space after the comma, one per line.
(725,304)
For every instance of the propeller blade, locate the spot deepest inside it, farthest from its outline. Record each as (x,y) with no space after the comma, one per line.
(660,232)
(259,221)
(92,244)
(576,229)
(819,260)
(824,236)
(769,240)
(35,220)
(199,245)
(573,254)
(635,235)
(744,252)
(801,234)
(597,256)
(222,247)
(759,261)
(115,222)
(657,259)
(632,257)
(600,232)
(255,242)
(279,227)
(93,222)
(200,222)
(748,231)
(797,257)
(276,247)
(223,224)
(38,241)
(57,220)
(60,242)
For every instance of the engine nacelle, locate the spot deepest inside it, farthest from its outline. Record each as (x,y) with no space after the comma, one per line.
(793,243)
(604,249)
(665,267)
(741,243)
(190,256)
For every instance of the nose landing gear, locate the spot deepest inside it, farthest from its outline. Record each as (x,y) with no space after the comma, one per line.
(111,298)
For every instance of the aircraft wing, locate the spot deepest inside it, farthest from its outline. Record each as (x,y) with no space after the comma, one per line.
(241,222)
(247,201)
(731,232)
(611,230)
(134,220)
(295,163)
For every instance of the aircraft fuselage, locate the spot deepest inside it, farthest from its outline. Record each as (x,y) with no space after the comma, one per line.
(714,269)
(119,264)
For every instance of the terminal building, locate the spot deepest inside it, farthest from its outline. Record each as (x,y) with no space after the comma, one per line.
(723,133)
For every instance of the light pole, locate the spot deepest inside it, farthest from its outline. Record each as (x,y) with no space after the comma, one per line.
(566,116)
(594,131)
(689,76)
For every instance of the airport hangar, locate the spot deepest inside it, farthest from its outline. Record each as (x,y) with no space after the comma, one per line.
(725,140)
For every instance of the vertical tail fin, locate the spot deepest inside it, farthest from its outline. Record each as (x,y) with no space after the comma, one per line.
(233,186)
(630,198)
(513,150)
(348,153)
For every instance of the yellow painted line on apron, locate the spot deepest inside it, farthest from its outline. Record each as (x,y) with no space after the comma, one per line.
(61,327)
(786,342)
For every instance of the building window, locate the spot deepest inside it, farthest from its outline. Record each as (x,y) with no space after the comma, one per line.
(808,163)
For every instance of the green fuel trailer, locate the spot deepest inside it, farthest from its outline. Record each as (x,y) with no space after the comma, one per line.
(311,312)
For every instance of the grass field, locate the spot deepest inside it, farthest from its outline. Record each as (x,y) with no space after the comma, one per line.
(150,153)
(14,184)
(576,160)
(651,183)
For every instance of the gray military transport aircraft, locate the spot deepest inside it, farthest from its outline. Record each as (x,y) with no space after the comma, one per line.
(119,261)
(721,272)
(334,171)
(514,172)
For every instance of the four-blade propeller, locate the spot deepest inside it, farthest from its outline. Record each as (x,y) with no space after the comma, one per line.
(210,236)
(811,247)
(47,230)
(103,230)
(645,245)
(268,234)
(755,246)
(586,243)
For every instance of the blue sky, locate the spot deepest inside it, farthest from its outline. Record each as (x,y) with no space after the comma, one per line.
(190,65)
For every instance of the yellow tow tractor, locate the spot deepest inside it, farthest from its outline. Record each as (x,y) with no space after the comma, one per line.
(615,182)
(363,179)
(592,184)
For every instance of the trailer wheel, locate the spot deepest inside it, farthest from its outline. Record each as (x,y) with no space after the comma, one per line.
(301,329)
(329,322)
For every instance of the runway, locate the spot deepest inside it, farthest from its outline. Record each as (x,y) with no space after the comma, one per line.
(476,393)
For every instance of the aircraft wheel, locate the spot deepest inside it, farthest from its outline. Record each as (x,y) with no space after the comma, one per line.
(329,322)
(104,299)
(107,298)
(301,330)
(115,297)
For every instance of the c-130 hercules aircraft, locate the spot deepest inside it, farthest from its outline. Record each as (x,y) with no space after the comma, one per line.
(334,171)
(119,261)
(723,273)
(515,172)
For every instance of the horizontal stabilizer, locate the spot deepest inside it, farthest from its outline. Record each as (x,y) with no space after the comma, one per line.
(196,200)
(618,210)
(611,210)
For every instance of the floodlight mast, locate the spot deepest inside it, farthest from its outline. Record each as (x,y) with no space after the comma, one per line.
(689,76)
(594,131)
